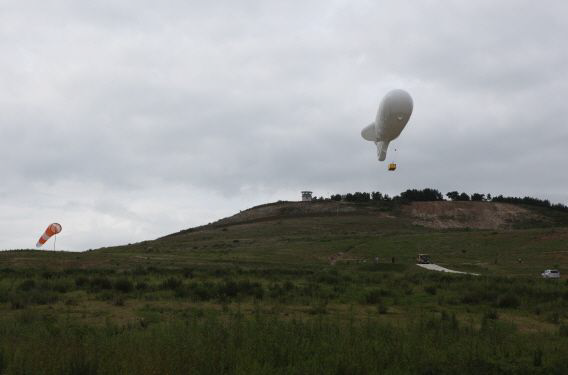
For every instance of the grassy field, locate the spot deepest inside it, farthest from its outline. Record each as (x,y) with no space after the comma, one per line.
(293,295)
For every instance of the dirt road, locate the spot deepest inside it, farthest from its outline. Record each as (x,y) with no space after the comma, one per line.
(435,267)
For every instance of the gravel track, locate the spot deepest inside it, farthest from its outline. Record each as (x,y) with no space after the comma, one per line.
(435,267)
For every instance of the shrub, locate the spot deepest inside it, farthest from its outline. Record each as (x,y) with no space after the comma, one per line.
(43,298)
(491,315)
(537,358)
(328,278)
(430,290)
(319,308)
(553,318)
(139,271)
(288,286)
(181,292)
(276,291)
(373,297)
(81,281)
(508,301)
(101,283)
(187,273)
(563,330)
(201,292)
(27,285)
(124,285)
(141,285)
(382,308)
(171,283)
(256,290)
(475,297)
(61,286)
(17,303)
(228,288)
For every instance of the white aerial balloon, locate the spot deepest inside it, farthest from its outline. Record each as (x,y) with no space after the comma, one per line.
(393,114)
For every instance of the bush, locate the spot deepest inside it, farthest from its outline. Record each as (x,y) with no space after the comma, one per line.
(374,296)
(101,283)
(141,285)
(61,286)
(228,288)
(553,318)
(187,273)
(43,298)
(430,290)
(27,285)
(181,292)
(537,358)
(471,298)
(124,285)
(171,283)
(201,292)
(81,281)
(328,278)
(319,308)
(17,303)
(248,288)
(563,330)
(491,315)
(508,301)
(475,297)
(382,308)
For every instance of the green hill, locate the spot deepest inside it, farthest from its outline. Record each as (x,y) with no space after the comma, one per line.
(294,287)
(485,237)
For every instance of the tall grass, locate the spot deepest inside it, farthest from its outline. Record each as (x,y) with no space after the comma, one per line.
(190,321)
(236,345)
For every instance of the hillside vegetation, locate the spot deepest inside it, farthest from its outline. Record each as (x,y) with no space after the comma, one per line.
(294,287)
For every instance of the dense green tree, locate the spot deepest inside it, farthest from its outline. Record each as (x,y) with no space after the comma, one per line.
(376,196)
(477,197)
(427,194)
(463,197)
(453,195)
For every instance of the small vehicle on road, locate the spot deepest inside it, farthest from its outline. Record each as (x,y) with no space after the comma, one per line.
(423,259)
(550,274)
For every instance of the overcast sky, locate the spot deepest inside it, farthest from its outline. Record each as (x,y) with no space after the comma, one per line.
(129,120)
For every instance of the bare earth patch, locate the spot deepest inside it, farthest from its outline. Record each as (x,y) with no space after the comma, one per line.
(478,215)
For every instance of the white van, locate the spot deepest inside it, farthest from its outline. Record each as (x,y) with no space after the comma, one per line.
(551,274)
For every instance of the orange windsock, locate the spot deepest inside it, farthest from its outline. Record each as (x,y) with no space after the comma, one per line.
(50,231)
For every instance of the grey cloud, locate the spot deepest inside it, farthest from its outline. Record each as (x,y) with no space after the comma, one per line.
(131,118)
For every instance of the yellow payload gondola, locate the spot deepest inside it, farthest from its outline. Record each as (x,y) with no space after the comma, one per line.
(392,166)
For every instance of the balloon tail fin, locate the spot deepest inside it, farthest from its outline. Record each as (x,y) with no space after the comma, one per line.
(382,149)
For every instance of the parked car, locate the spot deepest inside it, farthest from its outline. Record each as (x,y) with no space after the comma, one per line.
(551,274)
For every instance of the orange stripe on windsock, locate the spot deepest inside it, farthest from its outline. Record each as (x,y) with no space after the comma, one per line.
(50,231)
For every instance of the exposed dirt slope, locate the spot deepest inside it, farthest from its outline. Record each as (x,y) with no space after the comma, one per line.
(479,215)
